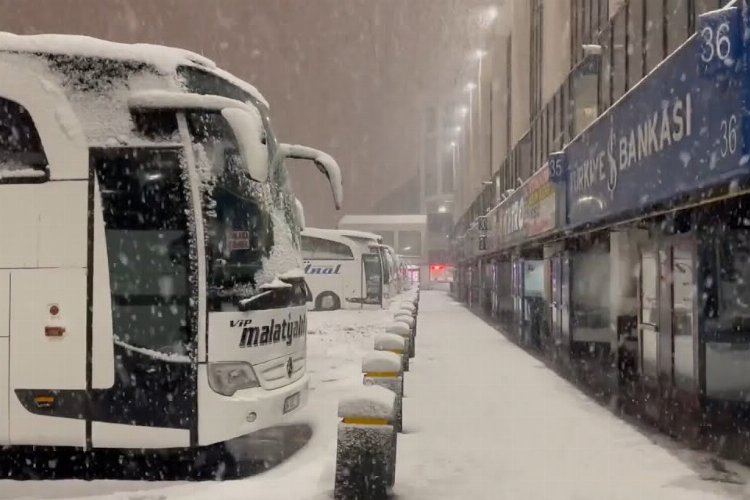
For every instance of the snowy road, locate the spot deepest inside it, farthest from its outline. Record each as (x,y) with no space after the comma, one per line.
(483,420)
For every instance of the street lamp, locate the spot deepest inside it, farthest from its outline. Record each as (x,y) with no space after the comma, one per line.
(489,15)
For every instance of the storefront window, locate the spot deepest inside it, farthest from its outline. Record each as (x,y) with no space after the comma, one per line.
(409,243)
(677,23)
(619,53)
(654,34)
(635,42)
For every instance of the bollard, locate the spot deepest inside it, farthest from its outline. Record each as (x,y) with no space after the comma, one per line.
(404,318)
(394,343)
(386,370)
(366,447)
(409,321)
(407,306)
(402,329)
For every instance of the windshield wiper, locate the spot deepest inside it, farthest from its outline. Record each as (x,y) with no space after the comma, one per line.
(244,304)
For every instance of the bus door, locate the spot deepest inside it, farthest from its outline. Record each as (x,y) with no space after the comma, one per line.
(144,332)
(372,279)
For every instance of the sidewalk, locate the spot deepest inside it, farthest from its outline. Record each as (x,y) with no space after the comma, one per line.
(485,420)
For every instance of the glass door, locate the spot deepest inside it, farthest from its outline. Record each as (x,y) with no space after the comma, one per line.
(565,299)
(683,329)
(556,302)
(648,314)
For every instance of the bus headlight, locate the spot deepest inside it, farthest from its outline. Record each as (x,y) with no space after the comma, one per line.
(228,378)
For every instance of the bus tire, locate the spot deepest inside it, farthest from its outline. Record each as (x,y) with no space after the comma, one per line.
(327,301)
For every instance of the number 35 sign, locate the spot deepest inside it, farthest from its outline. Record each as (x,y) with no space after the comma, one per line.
(720,33)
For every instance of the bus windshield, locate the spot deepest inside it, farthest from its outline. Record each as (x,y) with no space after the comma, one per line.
(236,216)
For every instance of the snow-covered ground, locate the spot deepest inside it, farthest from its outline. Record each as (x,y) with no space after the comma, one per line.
(483,420)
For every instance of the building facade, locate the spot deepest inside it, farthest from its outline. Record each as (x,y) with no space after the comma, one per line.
(550,70)
(613,236)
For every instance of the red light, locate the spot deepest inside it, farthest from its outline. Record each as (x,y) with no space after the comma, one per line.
(438,268)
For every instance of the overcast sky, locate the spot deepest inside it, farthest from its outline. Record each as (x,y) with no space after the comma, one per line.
(351,77)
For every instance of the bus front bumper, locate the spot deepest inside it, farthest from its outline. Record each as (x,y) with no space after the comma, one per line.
(221,418)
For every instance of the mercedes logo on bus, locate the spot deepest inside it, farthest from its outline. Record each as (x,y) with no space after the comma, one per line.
(289,368)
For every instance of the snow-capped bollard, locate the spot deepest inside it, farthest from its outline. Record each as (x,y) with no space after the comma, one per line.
(404,318)
(391,342)
(366,448)
(403,329)
(386,370)
(407,306)
(411,323)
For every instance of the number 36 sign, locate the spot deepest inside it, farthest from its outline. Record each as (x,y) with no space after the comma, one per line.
(720,33)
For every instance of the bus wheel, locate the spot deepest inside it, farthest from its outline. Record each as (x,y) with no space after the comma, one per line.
(327,301)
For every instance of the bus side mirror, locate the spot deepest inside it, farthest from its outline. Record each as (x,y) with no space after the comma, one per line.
(250,134)
(325,163)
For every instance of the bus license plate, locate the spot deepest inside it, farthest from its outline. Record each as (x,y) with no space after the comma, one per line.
(291,403)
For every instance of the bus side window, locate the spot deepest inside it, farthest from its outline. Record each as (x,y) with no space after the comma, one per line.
(322,249)
(22,158)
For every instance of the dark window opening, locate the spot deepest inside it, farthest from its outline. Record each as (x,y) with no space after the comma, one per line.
(22,157)
(145,207)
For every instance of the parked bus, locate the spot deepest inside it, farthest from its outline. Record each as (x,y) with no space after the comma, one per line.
(151,291)
(392,281)
(341,269)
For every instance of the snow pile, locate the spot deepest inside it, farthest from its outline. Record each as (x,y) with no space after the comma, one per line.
(285,256)
(368,401)
(403,318)
(398,328)
(275,284)
(381,362)
(291,274)
(389,342)
(406,306)
(248,127)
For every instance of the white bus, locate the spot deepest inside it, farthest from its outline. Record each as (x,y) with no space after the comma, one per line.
(151,291)
(392,281)
(342,268)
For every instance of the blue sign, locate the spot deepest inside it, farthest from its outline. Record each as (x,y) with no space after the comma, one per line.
(558,166)
(680,130)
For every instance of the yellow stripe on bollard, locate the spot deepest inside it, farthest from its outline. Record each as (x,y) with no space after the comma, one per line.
(397,352)
(382,374)
(365,421)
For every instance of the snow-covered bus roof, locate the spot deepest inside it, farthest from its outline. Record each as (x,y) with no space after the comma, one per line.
(382,220)
(328,233)
(162,58)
